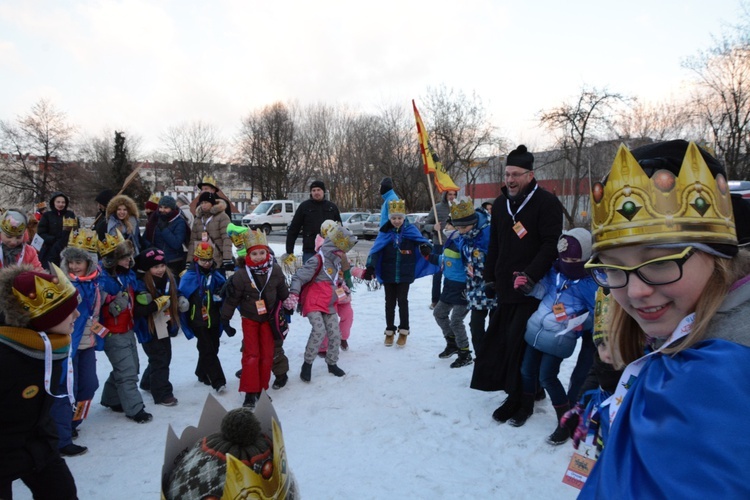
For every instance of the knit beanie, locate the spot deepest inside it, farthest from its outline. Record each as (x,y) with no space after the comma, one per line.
(575,244)
(183,199)
(318,184)
(104,197)
(149,258)
(386,185)
(207,196)
(520,157)
(47,299)
(168,201)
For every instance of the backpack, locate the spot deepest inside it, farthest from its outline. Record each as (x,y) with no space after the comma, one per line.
(279,321)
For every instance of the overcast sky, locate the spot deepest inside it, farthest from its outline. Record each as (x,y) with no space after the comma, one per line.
(143,66)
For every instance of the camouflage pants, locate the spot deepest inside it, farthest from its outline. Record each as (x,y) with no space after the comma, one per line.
(323,325)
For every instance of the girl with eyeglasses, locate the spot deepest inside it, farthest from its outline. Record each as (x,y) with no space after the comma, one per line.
(665,245)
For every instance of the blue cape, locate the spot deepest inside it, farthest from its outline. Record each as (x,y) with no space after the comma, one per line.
(189,283)
(409,232)
(681,431)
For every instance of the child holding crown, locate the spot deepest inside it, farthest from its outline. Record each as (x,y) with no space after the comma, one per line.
(665,245)
(14,251)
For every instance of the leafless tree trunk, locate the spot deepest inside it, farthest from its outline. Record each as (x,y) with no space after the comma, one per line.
(194,148)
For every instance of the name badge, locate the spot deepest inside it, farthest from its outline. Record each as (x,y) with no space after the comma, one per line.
(520,230)
(204,313)
(260,305)
(204,236)
(99,329)
(340,293)
(559,311)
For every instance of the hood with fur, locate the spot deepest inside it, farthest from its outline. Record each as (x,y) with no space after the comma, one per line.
(122,250)
(72,253)
(219,207)
(122,199)
(14,313)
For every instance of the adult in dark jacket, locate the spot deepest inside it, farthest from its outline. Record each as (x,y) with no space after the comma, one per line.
(525,226)
(28,436)
(309,216)
(434,226)
(166,230)
(100,221)
(52,229)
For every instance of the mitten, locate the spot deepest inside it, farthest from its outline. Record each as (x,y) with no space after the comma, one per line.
(348,278)
(425,249)
(227,265)
(183,304)
(228,328)
(291,302)
(572,421)
(162,302)
(369,273)
(119,304)
(489,290)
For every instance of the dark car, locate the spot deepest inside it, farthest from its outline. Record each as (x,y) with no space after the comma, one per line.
(237,218)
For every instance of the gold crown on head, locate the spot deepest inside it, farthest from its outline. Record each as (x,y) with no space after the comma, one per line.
(255,238)
(110,242)
(154,198)
(633,208)
(204,250)
(342,238)
(13,223)
(85,239)
(209,179)
(47,295)
(397,207)
(41,205)
(462,209)
(70,222)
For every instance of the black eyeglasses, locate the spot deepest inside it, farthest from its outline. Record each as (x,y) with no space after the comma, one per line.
(661,271)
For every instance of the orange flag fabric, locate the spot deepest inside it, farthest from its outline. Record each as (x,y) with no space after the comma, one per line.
(430,160)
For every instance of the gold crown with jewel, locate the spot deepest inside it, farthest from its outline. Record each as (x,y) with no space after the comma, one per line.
(110,242)
(13,223)
(47,295)
(274,481)
(255,238)
(633,208)
(462,209)
(85,239)
(204,250)
(70,222)
(397,207)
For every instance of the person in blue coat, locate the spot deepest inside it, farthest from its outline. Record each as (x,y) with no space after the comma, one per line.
(168,231)
(665,244)
(567,293)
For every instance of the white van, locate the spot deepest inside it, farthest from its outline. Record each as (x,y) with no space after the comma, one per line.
(271,215)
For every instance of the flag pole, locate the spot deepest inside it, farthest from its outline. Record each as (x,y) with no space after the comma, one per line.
(434,209)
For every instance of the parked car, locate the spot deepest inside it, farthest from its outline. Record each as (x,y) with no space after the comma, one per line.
(355,221)
(741,188)
(372,226)
(417,219)
(237,218)
(270,215)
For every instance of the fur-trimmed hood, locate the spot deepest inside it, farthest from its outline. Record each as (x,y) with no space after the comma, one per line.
(14,313)
(219,207)
(122,199)
(73,253)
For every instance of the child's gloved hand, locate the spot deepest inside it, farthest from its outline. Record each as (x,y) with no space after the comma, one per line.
(425,249)
(119,304)
(231,331)
(162,302)
(288,259)
(369,273)
(358,272)
(227,265)
(572,421)
(183,304)
(489,290)
(291,302)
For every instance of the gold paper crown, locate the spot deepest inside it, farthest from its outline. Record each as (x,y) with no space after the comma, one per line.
(204,250)
(255,238)
(41,205)
(110,242)
(327,226)
(70,222)
(85,239)
(274,480)
(633,208)
(154,198)
(11,225)
(397,207)
(601,313)
(462,209)
(342,238)
(208,179)
(47,295)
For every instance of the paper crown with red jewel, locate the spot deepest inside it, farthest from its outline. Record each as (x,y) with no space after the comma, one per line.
(48,292)
(108,245)
(13,222)
(203,251)
(632,208)
(85,239)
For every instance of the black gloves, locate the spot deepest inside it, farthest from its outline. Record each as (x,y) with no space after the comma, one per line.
(228,328)
(425,250)
(227,265)
(369,273)
(489,290)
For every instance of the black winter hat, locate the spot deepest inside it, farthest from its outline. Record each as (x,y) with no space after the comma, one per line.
(318,184)
(386,185)
(520,157)
(669,155)
(104,197)
(207,196)
(149,258)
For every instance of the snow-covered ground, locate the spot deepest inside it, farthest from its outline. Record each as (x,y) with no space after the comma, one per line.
(400,424)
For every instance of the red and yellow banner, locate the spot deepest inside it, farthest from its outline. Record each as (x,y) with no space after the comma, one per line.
(430,160)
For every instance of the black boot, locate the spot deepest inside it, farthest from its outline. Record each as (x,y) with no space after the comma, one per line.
(280,381)
(251,399)
(507,409)
(524,411)
(464,359)
(561,434)
(450,348)
(306,373)
(336,370)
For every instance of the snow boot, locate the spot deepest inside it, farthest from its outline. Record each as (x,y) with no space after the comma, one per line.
(464,359)
(280,381)
(402,334)
(73,450)
(561,434)
(524,411)
(238,373)
(141,417)
(450,348)
(389,337)
(251,399)
(336,370)
(306,373)
(507,409)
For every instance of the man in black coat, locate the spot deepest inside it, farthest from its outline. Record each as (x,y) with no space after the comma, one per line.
(525,226)
(309,216)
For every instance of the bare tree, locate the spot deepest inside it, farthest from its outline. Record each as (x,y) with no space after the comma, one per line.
(658,121)
(36,145)
(579,124)
(194,147)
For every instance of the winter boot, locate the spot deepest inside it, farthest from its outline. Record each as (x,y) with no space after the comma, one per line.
(73,450)
(306,373)
(280,381)
(524,411)
(238,373)
(450,348)
(402,334)
(141,417)
(389,337)
(251,399)
(507,409)
(464,359)
(336,370)
(561,434)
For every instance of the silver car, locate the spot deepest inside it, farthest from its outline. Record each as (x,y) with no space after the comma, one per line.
(372,226)
(355,221)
